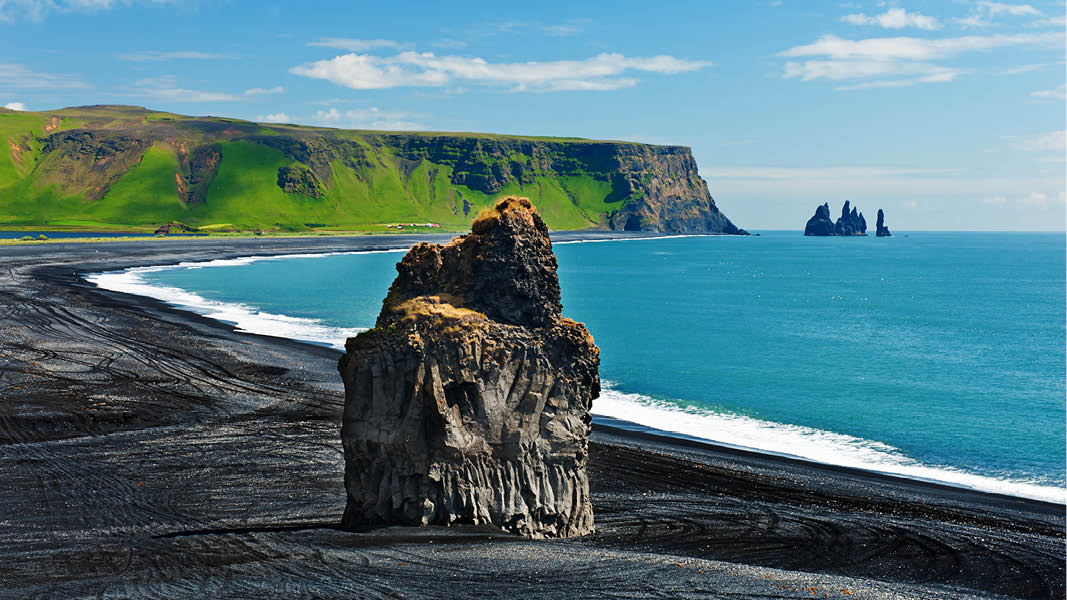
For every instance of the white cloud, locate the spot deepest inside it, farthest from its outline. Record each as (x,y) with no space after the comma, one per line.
(15,106)
(166,88)
(819,173)
(1015,10)
(156,56)
(1023,69)
(568,28)
(1043,142)
(1034,199)
(572,27)
(367,118)
(356,45)
(37,10)
(896,61)
(264,91)
(16,76)
(935,75)
(1030,200)
(984,13)
(601,72)
(838,70)
(1057,93)
(911,48)
(449,43)
(274,118)
(562,30)
(871,187)
(894,18)
(1059,21)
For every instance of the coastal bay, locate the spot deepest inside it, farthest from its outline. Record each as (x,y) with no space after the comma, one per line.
(152,452)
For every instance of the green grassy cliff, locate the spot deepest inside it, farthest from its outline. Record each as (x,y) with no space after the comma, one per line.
(107,167)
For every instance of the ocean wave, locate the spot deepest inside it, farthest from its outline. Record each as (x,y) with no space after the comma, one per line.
(243,317)
(727,429)
(804,443)
(638,239)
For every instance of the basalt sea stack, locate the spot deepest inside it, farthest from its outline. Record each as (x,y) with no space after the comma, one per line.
(881,229)
(851,222)
(469,401)
(820,223)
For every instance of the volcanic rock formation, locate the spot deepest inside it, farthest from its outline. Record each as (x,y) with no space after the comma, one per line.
(881,229)
(820,224)
(851,222)
(469,401)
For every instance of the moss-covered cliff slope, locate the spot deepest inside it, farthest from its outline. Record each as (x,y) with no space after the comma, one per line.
(113,166)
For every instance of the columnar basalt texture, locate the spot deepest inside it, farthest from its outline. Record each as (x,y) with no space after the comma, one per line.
(469,401)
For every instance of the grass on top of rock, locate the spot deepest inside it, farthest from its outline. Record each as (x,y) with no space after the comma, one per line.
(440,307)
(488,215)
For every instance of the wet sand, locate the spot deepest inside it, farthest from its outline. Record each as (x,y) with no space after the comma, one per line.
(147,452)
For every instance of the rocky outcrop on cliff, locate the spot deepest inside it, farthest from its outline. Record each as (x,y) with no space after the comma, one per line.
(469,401)
(668,194)
(170,228)
(297,180)
(880,229)
(851,222)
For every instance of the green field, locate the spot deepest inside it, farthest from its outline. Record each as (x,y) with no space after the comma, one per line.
(124,167)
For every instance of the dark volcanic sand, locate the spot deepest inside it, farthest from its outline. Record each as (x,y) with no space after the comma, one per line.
(147,452)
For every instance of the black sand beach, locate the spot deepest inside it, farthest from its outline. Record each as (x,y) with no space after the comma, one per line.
(147,452)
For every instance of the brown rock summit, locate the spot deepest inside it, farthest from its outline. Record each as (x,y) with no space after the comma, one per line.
(469,401)
(504,268)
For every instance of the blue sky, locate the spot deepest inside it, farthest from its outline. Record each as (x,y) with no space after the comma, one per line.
(948,115)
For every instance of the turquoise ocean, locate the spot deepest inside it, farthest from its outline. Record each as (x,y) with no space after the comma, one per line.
(936,356)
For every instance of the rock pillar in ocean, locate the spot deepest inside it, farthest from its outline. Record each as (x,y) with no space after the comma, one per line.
(469,401)
(820,223)
(850,223)
(882,230)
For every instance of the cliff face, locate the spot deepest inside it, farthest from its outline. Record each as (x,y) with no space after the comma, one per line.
(98,162)
(469,401)
(669,194)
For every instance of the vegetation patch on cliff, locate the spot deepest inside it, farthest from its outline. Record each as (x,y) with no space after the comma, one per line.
(124,166)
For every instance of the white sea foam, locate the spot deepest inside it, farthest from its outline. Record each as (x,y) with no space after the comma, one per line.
(243,317)
(638,239)
(690,421)
(802,442)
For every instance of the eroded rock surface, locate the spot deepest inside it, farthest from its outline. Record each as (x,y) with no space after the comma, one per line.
(881,229)
(469,401)
(851,222)
(820,223)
